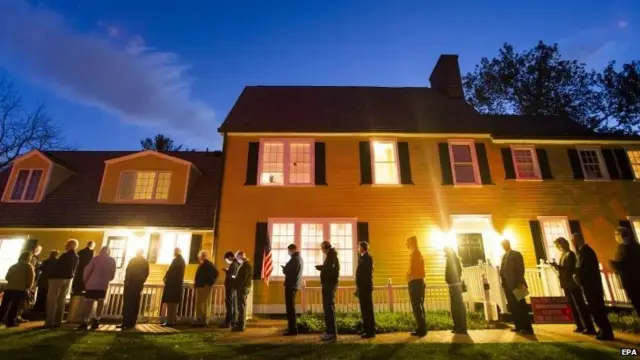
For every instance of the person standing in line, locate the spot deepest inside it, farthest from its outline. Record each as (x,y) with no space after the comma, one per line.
(30,299)
(206,276)
(134,278)
(627,265)
(243,283)
(364,290)
(292,283)
(513,282)
(63,271)
(20,279)
(566,269)
(588,277)
(229,290)
(96,277)
(172,293)
(85,255)
(453,277)
(46,269)
(329,278)
(416,285)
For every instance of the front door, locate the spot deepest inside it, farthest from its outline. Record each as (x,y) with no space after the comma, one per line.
(470,249)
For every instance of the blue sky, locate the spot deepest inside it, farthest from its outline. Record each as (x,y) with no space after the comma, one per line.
(114,71)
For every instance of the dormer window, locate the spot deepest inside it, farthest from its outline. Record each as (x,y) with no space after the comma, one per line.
(144,186)
(26,185)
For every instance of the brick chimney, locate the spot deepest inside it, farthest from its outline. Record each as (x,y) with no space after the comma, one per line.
(446,78)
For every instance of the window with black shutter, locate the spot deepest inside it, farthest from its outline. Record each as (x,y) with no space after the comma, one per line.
(366,177)
(320,164)
(252,164)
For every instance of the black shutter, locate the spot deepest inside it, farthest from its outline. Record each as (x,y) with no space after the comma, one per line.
(610,162)
(365,163)
(320,164)
(626,172)
(445,164)
(262,234)
(252,164)
(627,225)
(154,248)
(405,163)
(196,245)
(29,245)
(483,164)
(574,227)
(363,232)
(543,162)
(507,161)
(574,159)
(538,241)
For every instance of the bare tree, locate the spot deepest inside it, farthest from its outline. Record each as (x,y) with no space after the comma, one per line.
(22,130)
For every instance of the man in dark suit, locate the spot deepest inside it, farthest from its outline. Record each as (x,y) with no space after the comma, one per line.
(512,277)
(84,258)
(292,283)
(364,290)
(588,277)
(229,290)
(135,276)
(566,269)
(242,283)
(329,275)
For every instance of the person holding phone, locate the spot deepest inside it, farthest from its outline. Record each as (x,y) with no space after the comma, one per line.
(229,291)
(329,275)
(292,283)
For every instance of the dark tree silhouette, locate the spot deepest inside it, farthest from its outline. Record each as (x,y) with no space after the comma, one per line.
(161,143)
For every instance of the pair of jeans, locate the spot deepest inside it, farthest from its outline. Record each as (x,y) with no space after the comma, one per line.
(416,295)
(230,305)
(241,298)
(365,298)
(329,307)
(458,309)
(204,297)
(11,300)
(290,305)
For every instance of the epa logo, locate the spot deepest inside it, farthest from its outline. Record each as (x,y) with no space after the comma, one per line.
(629,352)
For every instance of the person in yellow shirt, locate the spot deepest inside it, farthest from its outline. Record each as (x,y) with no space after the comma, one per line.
(415,278)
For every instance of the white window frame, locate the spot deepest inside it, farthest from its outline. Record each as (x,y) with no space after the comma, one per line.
(286,158)
(474,162)
(155,186)
(534,157)
(636,230)
(601,163)
(372,143)
(326,223)
(26,185)
(549,242)
(626,152)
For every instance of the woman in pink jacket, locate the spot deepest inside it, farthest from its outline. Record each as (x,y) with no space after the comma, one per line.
(97,275)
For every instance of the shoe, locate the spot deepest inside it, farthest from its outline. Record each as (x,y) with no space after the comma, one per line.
(22,320)
(590,332)
(361,332)
(367,336)
(120,327)
(83,327)
(95,324)
(579,330)
(515,330)
(526,332)
(166,324)
(237,329)
(419,333)
(605,337)
(290,333)
(328,337)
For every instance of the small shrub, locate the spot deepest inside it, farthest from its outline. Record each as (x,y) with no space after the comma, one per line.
(625,322)
(386,322)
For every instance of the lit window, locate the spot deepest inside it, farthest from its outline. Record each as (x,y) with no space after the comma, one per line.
(118,247)
(636,228)
(26,185)
(634,159)
(553,228)
(385,162)
(464,163)
(287,162)
(307,236)
(169,241)
(10,250)
(144,185)
(525,162)
(592,164)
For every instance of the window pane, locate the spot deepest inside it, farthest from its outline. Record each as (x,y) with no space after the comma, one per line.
(341,237)
(18,188)
(10,250)
(279,257)
(162,187)
(591,164)
(461,153)
(634,158)
(145,182)
(464,174)
(32,186)
(167,245)
(553,229)
(311,236)
(311,258)
(300,163)
(135,242)
(281,236)
(525,163)
(384,151)
(384,162)
(127,184)
(118,246)
(386,173)
(272,164)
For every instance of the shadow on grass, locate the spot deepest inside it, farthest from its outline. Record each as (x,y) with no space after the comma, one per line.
(51,345)
(7,334)
(131,345)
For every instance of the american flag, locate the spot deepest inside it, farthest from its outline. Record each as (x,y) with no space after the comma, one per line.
(267,262)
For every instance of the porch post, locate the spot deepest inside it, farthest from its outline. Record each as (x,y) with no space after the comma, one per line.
(303,296)
(544,276)
(608,286)
(390,294)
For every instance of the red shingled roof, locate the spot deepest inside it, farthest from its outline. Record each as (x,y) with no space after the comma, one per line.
(75,202)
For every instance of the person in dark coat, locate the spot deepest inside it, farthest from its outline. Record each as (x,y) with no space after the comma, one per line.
(46,267)
(453,277)
(329,277)
(135,276)
(206,276)
(627,265)
(566,269)
(292,283)
(588,277)
(416,286)
(172,293)
(85,255)
(364,290)
(512,276)
(229,290)
(242,283)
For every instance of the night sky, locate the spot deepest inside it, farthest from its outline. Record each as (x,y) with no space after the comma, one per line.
(114,71)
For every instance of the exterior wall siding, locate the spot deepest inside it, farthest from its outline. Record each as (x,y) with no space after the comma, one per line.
(396,212)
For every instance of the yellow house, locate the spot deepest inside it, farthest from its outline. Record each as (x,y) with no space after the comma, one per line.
(305,164)
(127,200)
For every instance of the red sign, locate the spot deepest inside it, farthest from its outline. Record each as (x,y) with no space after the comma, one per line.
(551,310)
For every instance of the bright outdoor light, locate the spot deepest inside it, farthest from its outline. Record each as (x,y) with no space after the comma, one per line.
(440,239)
(9,253)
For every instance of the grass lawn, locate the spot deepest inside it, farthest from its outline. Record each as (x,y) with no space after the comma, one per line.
(52,345)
